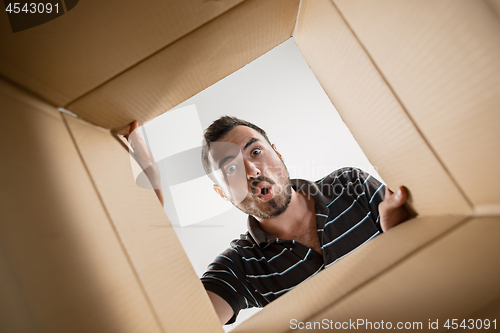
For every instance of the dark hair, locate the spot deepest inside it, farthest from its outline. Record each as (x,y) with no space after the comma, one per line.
(220,128)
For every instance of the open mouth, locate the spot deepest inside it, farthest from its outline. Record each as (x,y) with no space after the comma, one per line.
(264,191)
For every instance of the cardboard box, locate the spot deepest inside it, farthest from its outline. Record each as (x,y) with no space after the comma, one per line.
(76,253)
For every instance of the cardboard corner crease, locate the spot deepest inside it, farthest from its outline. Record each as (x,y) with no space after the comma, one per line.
(423,77)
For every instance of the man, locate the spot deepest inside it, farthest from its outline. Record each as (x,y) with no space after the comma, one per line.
(295,228)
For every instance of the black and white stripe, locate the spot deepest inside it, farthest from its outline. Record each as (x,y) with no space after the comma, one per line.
(258,268)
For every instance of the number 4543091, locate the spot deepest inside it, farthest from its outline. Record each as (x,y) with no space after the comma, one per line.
(471,324)
(32,8)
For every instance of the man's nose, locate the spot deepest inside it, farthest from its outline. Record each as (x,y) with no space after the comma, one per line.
(253,170)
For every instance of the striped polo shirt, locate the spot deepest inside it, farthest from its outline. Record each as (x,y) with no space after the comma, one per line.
(257,268)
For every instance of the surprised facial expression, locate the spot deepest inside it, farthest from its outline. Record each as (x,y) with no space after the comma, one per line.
(250,173)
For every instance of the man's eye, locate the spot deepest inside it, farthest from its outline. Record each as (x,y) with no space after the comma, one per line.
(256,151)
(230,169)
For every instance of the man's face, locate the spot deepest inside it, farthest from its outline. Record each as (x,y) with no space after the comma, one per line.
(250,173)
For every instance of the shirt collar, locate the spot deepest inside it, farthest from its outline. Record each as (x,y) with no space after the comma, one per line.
(260,236)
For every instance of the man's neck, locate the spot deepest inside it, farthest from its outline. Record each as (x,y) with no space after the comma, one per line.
(296,217)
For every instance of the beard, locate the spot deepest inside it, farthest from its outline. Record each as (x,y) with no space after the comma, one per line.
(272,208)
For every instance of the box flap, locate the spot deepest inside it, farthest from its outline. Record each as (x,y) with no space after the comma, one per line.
(190,65)
(332,285)
(375,116)
(69,56)
(152,246)
(495,6)
(62,267)
(442,60)
(451,278)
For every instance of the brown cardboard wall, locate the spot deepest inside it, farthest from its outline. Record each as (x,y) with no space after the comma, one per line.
(63,268)
(155,252)
(190,65)
(336,283)
(65,58)
(442,61)
(82,248)
(495,6)
(490,310)
(452,278)
(374,115)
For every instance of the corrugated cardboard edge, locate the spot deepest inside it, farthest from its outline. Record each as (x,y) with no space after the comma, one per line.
(67,57)
(168,279)
(375,116)
(189,65)
(441,59)
(457,274)
(63,269)
(333,285)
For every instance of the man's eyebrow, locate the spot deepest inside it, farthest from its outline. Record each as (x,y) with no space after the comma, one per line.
(221,163)
(248,144)
(252,140)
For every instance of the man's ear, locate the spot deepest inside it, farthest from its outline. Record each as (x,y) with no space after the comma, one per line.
(220,192)
(276,150)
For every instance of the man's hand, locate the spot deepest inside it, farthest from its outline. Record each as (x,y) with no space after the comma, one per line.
(145,159)
(132,128)
(392,210)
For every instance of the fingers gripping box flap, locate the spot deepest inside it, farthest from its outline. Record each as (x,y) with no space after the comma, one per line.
(442,61)
(374,115)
